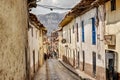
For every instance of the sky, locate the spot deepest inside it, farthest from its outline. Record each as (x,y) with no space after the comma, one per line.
(59,3)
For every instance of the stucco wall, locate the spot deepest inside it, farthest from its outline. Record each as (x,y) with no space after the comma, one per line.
(88,47)
(41,47)
(13,39)
(33,39)
(66,35)
(113,27)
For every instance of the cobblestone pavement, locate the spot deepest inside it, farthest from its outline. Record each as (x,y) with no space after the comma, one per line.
(41,74)
(55,71)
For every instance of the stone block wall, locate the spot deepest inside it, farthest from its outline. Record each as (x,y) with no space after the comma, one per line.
(13,39)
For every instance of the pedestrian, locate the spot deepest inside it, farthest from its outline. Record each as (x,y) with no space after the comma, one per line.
(55,54)
(48,56)
(45,56)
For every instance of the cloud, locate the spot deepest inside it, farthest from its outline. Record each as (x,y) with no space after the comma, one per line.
(58,3)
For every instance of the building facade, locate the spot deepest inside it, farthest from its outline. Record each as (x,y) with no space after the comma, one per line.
(60,43)
(33,40)
(90,45)
(36,35)
(54,42)
(84,32)
(13,39)
(112,39)
(43,47)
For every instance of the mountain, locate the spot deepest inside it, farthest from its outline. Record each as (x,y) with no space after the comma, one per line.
(51,21)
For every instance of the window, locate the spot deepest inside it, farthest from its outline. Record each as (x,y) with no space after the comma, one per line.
(93,32)
(83,34)
(67,35)
(32,31)
(40,33)
(77,32)
(70,35)
(73,55)
(113,5)
(36,33)
(73,28)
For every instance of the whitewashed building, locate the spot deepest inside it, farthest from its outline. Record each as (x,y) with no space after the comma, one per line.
(83,30)
(112,39)
(36,33)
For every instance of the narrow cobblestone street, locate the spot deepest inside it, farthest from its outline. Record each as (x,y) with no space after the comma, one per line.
(59,39)
(41,74)
(56,71)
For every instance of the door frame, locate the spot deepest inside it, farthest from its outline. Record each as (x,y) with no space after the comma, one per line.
(73,58)
(34,61)
(114,56)
(94,63)
(83,52)
(78,58)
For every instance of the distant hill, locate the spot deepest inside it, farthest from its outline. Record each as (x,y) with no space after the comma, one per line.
(51,21)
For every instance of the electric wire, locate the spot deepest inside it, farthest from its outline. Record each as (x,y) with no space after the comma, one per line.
(61,8)
(53,7)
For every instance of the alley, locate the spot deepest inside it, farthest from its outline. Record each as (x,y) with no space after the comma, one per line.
(55,71)
(59,39)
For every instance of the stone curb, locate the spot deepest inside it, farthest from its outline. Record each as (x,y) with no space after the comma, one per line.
(47,70)
(73,71)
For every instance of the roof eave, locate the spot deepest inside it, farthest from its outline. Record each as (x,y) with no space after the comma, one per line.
(66,20)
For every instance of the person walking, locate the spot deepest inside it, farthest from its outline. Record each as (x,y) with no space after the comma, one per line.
(45,56)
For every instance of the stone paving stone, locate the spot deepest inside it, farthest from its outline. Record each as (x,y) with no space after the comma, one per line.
(41,74)
(83,75)
(55,71)
(58,72)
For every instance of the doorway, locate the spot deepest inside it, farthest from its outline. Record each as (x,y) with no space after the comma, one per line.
(111,65)
(34,61)
(83,61)
(73,58)
(78,59)
(38,59)
(94,64)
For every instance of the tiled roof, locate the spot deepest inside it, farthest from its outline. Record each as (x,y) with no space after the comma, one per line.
(33,19)
(82,7)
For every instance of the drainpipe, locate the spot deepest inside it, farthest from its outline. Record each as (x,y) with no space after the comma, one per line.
(27,47)
(102,16)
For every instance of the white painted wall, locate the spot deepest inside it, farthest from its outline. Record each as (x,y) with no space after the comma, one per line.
(87,45)
(66,35)
(33,44)
(113,27)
